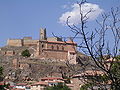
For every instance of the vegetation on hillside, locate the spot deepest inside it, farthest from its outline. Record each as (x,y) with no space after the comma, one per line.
(26,53)
(1,73)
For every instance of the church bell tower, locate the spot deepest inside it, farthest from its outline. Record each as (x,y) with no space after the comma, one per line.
(43,34)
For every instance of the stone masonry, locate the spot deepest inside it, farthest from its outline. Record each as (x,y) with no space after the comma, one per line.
(48,48)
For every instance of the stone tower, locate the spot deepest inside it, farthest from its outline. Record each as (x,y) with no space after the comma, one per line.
(43,34)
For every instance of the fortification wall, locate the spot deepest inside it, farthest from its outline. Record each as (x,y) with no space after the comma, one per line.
(14,42)
(21,42)
(30,42)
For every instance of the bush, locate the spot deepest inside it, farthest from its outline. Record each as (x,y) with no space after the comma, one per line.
(26,53)
(1,73)
(85,86)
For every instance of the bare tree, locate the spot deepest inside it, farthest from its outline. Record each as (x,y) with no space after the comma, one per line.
(95,44)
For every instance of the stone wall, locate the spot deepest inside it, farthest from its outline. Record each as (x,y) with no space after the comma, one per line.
(23,66)
(72,57)
(61,55)
(15,63)
(14,42)
(10,53)
(27,41)
(57,50)
(30,42)
(54,39)
(53,48)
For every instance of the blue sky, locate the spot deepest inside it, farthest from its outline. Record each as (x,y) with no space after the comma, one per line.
(19,18)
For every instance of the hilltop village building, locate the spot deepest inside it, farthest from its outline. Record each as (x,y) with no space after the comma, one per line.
(48,47)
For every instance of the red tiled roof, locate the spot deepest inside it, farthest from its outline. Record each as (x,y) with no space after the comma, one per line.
(61,42)
(2,84)
(40,83)
(55,81)
(21,84)
(11,86)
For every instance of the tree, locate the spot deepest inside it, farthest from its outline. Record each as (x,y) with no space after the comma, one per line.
(26,53)
(1,73)
(59,86)
(3,86)
(96,45)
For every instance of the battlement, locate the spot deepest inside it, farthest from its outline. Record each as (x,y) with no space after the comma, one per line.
(14,42)
(26,41)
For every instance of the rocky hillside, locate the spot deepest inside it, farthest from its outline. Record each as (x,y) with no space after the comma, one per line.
(19,68)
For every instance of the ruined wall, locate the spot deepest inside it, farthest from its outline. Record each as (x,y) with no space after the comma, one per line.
(14,42)
(27,41)
(30,42)
(72,57)
(10,53)
(15,63)
(24,66)
(53,47)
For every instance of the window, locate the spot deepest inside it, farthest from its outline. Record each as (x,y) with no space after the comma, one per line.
(42,46)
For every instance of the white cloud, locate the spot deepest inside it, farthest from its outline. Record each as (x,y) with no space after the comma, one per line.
(75,16)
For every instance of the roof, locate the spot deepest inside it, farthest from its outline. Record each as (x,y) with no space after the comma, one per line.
(2,83)
(40,83)
(21,84)
(61,42)
(55,81)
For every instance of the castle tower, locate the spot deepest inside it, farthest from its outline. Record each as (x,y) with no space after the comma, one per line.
(43,34)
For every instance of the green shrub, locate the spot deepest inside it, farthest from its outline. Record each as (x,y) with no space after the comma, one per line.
(26,53)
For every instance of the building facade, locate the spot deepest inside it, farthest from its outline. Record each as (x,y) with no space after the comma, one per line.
(48,47)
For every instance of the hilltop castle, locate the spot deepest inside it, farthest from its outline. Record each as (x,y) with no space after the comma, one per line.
(48,47)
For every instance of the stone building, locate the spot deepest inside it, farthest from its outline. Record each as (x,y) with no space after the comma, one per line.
(26,41)
(48,47)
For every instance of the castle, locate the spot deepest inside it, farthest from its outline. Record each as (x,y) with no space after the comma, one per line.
(48,47)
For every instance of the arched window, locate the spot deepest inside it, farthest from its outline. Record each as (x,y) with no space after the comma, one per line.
(42,46)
